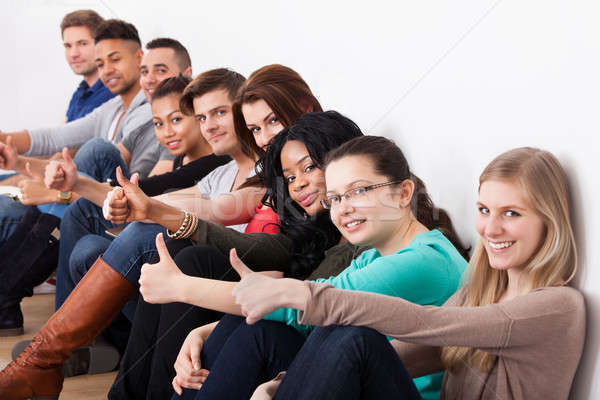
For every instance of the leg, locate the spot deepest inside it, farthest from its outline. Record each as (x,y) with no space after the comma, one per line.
(98,158)
(352,363)
(11,213)
(85,253)
(159,330)
(251,355)
(81,218)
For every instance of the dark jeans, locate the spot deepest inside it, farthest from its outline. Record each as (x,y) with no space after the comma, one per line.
(347,363)
(158,330)
(240,357)
(99,159)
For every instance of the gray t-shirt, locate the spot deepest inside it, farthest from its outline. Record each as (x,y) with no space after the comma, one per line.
(220,181)
(74,134)
(145,150)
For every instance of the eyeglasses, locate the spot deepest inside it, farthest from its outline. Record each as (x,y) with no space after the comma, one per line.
(335,199)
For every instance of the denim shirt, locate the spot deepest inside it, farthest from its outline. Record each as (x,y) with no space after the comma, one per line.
(86,98)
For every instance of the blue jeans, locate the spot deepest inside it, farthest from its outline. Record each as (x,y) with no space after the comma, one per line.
(96,159)
(126,254)
(240,357)
(11,214)
(347,363)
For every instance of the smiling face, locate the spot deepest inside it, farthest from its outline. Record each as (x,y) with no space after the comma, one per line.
(305,182)
(157,65)
(79,49)
(176,131)
(213,111)
(118,63)
(372,217)
(261,121)
(511,229)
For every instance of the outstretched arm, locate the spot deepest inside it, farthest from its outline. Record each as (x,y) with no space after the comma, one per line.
(164,282)
(229,209)
(21,140)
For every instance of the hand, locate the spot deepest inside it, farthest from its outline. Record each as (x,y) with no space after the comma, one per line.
(33,190)
(131,204)
(8,154)
(159,283)
(61,175)
(259,294)
(189,373)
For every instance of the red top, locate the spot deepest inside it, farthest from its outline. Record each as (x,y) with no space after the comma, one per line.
(263,221)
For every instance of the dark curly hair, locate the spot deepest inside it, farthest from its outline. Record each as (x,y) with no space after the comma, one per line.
(312,235)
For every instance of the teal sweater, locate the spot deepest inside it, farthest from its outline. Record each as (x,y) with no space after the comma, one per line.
(427,272)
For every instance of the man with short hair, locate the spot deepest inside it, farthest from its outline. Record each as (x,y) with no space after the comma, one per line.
(98,158)
(78,29)
(101,294)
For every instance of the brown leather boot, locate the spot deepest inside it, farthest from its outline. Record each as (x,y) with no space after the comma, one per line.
(89,309)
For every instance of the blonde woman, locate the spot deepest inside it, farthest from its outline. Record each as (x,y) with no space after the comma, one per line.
(514,331)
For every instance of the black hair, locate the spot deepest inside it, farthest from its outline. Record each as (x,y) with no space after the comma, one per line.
(388,160)
(117,29)
(182,57)
(172,85)
(320,132)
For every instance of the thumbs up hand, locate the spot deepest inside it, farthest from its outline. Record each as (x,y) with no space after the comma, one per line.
(127,203)
(61,175)
(159,282)
(260,294)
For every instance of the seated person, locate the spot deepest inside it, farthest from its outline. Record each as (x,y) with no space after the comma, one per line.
(515,330)
(179,133)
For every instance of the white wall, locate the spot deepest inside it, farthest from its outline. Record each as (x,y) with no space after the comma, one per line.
(453,82)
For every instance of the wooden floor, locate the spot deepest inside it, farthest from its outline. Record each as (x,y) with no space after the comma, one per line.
(37,310)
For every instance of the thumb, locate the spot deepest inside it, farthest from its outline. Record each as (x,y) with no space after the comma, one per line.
(121,178)
(28,169)
(66,155)
(161,247)
(238,264)
(9,141)
(135,178)
(195,357)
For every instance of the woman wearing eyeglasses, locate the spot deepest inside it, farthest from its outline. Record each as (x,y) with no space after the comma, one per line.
(369,195)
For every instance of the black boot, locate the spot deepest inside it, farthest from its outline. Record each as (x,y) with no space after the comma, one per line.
(27,258)
(11,319)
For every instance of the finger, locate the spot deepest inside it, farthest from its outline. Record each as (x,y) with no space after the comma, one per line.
(66,155)
(121,178)
(238,264)
(135,178)
(195,357)
(163,252)
(9,141)
(176,386)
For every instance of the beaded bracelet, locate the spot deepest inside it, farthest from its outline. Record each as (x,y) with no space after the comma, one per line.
(192,227)
(179,232)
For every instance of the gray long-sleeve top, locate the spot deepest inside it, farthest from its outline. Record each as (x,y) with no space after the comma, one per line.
(46,141)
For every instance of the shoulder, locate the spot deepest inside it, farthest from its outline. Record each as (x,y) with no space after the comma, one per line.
(545,302)
(225,169)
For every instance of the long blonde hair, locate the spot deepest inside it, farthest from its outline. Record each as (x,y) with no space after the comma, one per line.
(544,182)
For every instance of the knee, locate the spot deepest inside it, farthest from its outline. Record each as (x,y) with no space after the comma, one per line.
(351,338)
(96,150)
(135,244)
(80,209)
(201,260)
